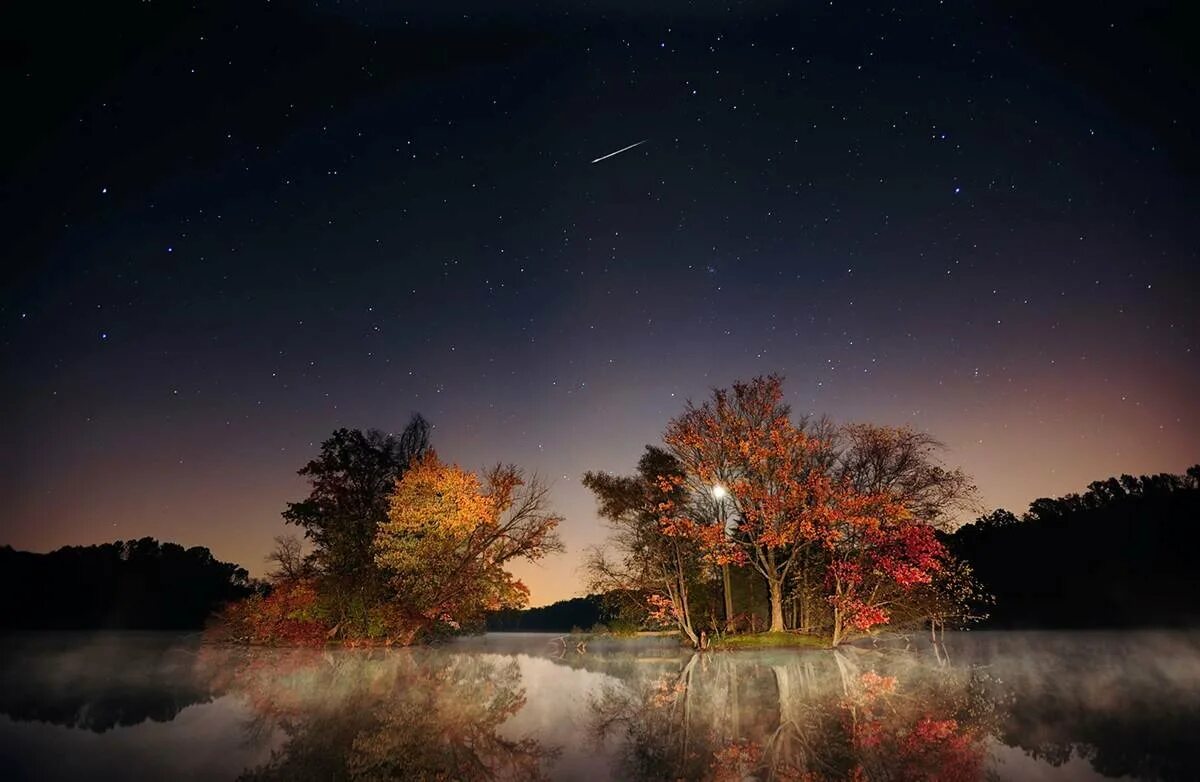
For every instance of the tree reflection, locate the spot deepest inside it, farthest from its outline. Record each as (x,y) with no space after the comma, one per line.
(1129,705)
(843,715)
(413,715)
(101,682)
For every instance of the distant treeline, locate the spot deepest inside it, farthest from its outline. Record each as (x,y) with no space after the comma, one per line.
(581,612)
(1119,555)
(136,584)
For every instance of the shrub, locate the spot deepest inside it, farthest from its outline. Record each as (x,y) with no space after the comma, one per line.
(623,626)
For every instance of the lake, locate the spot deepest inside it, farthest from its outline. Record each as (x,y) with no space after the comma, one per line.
(981,705)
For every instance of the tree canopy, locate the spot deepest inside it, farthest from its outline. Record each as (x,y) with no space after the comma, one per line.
(449,534)
(351,482)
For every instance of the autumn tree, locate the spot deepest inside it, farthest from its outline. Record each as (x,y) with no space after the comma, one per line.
(842,517)
(744,440)
(645,560)
(352,480)
(875,551)
(448,536)
(883,561)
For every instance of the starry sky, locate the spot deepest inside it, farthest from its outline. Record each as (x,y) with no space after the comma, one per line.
(230,228)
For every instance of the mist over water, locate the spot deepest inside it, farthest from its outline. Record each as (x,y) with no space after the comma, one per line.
(1006,705)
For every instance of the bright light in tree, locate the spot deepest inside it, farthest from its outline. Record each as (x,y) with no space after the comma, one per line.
(719,492)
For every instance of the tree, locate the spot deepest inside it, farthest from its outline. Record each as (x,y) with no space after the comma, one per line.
(876,552)
(290,562)
(561,616)
(841,517)
(655,563)
(352,480)
(449,534)
(885,563)
(744,439)
(1116,555)
(902,463)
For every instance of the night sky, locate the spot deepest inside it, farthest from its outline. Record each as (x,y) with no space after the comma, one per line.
(230,228)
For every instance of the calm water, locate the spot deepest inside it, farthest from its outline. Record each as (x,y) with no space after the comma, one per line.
(1020,706)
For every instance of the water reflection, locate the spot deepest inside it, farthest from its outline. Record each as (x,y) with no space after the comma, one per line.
(843,715)
(1129,705)
(1004,705)
(84,681)
(388,715)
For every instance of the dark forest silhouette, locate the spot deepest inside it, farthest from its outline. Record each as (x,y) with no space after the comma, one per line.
(136,584)
(581,612)
(1118,555)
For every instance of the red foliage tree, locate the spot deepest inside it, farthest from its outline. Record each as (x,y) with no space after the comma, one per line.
(798,509)
(876,552)
(774,474)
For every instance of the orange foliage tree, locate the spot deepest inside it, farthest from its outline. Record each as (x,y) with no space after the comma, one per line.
(449,534)
(802,510)
(774,473)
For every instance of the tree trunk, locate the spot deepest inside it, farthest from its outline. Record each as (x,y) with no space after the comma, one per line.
(685,622)
(677,592)
(803,619)
(789,704)
(728,598)
(735,710)
(776,590)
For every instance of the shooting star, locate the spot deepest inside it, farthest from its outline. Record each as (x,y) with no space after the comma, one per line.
(619,151)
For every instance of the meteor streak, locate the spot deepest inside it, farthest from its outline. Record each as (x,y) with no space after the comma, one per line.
(619,151)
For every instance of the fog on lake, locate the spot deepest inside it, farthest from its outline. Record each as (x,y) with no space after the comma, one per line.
(982,705)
